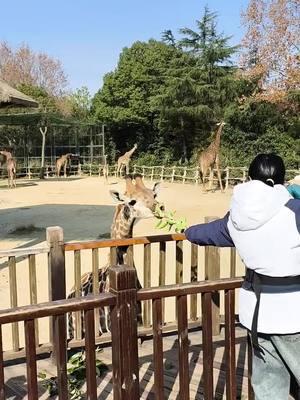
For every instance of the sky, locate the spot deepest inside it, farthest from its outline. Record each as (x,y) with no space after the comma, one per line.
(87,36)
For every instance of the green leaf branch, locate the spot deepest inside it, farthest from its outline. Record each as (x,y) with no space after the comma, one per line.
(168,221)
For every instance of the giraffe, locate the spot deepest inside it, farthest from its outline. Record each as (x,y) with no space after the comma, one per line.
(138,202)
(124,160)
(62,162)
(210,157)
(11,167)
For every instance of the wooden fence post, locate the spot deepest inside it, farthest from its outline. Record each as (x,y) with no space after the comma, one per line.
(227,178)
(147,284)
(162,173)
(152,174)
(124,333)
(79,169)
(184,175)
(56,268)
(212,272)
(196,175)
(173,174)
(244,174)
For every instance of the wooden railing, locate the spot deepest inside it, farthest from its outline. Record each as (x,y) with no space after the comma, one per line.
(123,299)
(211,267)
(56,252)
(57,310)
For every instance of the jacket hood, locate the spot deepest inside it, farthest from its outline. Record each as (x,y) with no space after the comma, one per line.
(255,203)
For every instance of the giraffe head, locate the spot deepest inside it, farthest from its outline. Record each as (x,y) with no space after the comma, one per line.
(137,202)
(222,123)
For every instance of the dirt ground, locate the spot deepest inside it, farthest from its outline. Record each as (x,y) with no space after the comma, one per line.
(84,209)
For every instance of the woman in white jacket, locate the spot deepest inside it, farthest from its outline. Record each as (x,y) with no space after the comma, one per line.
(264,225)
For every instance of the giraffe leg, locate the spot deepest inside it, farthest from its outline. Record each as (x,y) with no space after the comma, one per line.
(119,169)
(65,170)
(219,176)
(211,177)
(204,171)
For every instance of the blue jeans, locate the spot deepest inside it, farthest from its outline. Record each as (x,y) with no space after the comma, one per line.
(271,370)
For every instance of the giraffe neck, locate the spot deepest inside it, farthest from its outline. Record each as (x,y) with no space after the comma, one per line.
(130,152)
(7,154)
(218,135)
(121,229)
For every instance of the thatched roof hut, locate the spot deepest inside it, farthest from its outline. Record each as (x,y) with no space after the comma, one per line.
(11,96)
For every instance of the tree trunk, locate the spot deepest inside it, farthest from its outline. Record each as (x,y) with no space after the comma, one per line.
(42,170)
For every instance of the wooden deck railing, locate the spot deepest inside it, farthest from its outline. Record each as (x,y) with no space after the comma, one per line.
(212,269)
(123,299)
(56,251)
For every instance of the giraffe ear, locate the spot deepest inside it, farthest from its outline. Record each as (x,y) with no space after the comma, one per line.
(117,196)
(156,188)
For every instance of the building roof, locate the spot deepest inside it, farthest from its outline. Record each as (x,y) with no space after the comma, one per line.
(11,96)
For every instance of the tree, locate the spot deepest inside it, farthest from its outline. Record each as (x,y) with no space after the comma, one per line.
(24,66)
(125,103)
(272,48)
(81,102)
(200,82)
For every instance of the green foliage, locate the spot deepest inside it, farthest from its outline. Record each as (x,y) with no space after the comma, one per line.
(76,373)
(46,102)
(168,221)
(81,103)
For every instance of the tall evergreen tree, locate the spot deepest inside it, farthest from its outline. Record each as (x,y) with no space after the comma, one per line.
(199,84)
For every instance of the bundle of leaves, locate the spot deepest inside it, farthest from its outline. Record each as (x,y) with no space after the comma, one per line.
(168,221)
(76,374)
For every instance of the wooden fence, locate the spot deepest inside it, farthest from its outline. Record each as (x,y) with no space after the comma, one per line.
(122,300)
(56,251)
(30,168)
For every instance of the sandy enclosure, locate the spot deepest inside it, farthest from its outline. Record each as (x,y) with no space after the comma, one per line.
(84,209)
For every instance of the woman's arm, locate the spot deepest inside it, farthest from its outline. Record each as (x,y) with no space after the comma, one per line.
(213,233)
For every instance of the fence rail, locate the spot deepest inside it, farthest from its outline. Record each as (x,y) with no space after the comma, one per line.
(30,168)
(122,299)
(56,257)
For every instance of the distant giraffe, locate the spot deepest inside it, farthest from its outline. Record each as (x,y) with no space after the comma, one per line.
(138,202)
(210,157)
(62,162)
(124,160)
(11,167)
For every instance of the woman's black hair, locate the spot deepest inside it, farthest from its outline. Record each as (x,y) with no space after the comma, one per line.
(267,168)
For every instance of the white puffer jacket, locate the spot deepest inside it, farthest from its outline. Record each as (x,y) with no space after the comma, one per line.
(264,225)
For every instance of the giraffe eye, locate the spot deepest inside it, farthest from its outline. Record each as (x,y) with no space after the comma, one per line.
(132,202)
